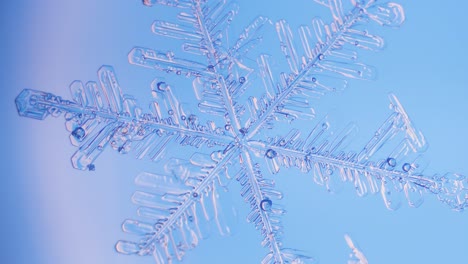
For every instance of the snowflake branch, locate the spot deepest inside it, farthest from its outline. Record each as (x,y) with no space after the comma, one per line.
(178,215)
(101,114)
(260,193)
(331,39)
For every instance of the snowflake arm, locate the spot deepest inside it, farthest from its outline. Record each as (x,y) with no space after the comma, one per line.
(372,169)
(100,115)
(265,214)
(327,61)
(202,33)
(180,206)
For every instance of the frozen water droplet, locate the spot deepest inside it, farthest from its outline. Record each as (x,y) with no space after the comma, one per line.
(266,204)
(242,80)
(321,56)
(270,153)
(159,132)
(356,43)
(227,127)
(243,131)
(406,167)
(314,79)
(329,171)
(162,86)
(195,195)
(193,119)
(324,125)
(33,100)
(391,162)
(91,167)
(79,133)
(183,117)
(170,112)
(121,150)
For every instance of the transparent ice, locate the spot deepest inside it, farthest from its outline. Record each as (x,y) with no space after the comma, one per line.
(245,126)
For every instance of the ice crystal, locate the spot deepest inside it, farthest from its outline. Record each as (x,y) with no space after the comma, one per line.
(239,131)
(357,257)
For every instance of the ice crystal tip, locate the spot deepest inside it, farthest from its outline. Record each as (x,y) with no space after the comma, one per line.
(387,14)
(356,256)
(181,202)
(417,140)
(28,104)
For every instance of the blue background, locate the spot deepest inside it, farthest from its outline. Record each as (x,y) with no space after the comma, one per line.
(53,214)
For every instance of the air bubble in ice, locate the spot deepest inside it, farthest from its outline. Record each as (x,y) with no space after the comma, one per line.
(391,162)
(162,86)
(79,133)
(406,167)
(270,153)
(266,204)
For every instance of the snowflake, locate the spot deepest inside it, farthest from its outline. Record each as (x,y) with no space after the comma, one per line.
(247,134)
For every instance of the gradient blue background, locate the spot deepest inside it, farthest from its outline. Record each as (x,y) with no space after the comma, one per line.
(53,214)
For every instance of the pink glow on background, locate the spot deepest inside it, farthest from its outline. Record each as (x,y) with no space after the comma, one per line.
(65,216)
(57,30)
(55,42)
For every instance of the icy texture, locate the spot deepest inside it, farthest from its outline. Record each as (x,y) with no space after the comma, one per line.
(178,206)
(356,257)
